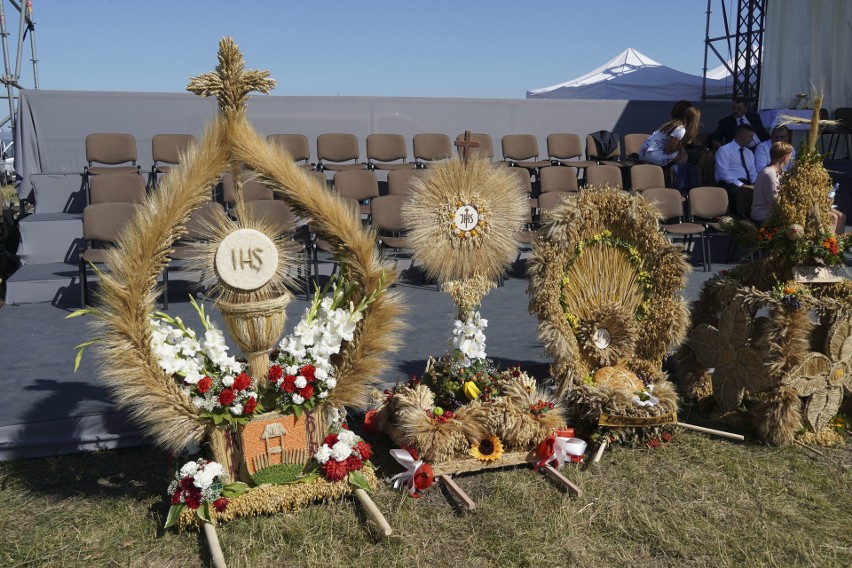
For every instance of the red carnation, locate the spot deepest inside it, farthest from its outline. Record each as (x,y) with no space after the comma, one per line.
(204,385)
(307,391)
(289,384)
(192,501)
(335,470)
(220,504)
(176,497)
(227,397)
(353,462)
(654,443)
(667,436)
(308,371)
(330,440)
(364,449)
(242,382)
(371,421)
(249,406)
(275,373)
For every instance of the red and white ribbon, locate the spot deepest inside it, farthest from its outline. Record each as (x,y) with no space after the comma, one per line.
(406,478)
(560,450)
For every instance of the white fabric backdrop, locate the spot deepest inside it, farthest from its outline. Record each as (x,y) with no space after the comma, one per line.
(805,44)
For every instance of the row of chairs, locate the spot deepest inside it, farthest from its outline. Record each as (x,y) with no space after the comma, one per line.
(116,152)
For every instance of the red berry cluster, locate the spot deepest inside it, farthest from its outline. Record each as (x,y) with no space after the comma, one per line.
(541,407)
(447,415)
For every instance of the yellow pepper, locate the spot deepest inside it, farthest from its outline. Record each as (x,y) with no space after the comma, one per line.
(471,391)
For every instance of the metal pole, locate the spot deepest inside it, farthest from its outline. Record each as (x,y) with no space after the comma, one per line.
(21,28)
(32,43)
(706,48)
(6,76)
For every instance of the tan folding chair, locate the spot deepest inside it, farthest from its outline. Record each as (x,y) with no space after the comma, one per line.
(633,143)
(166,150)
(110,150)
(319,244)
(129,188)
(431,147)
(387,221)
(387,152)
(643,176)
(521,150)
(669,202)
(399,182)
(338,152)
(558,178)
(707,205)
(565,149)
(602,175)
(485,148)
(294,144)
(102,225)
(551,200)
(360,185)
(613,158)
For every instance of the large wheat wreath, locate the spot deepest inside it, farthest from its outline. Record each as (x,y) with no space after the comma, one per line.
(130,368)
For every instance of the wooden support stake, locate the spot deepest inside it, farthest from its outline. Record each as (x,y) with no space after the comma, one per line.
(600,451)
(373,512)
(213,544)
(457,491)
(711,431)
(807,447)
(563,481)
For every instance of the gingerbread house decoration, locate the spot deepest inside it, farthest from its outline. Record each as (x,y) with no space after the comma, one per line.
(273,439)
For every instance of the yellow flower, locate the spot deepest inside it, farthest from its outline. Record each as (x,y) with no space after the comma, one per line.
(471,391)
(488,449)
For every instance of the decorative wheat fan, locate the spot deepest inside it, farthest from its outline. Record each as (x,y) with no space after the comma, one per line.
(795,361)
(605,285)
(252,265)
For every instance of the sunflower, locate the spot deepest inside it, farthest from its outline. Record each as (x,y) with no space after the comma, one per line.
(487,449)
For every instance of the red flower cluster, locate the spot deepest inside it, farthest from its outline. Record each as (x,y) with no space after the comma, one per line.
(249,406)
(242,382)
(188,493)
(204,385)
(220,504)
(334,470)
(287,383)
(767,233)
(227,397)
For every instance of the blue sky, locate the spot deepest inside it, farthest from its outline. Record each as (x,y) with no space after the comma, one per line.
(437,48)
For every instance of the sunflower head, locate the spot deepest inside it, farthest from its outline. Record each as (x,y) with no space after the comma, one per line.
(487,449)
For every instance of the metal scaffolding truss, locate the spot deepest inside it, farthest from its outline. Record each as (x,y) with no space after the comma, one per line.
(11,78)
(742,44)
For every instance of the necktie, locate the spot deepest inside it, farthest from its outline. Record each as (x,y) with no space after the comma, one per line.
(745,167)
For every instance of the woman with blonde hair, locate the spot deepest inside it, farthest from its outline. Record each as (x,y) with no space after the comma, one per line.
(666,145)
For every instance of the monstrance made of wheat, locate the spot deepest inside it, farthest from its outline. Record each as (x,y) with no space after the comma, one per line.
(606,286)
(777,331)
(465,414)
(269,419)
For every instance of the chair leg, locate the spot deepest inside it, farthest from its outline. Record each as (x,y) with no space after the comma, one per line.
(83,283)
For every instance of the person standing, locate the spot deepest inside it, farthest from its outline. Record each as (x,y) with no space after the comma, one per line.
(766,184)
(665,145)
(735,164)
(727,127)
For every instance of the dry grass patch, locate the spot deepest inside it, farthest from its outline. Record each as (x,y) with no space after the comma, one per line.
(696,501)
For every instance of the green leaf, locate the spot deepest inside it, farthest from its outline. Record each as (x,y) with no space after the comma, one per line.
(235,489)
(310,478)
(80,312)
(357,479)
(80,348)
(297,411)
(174,513)
(203,512)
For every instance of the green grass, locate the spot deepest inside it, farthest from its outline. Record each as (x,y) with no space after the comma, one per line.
(697,501)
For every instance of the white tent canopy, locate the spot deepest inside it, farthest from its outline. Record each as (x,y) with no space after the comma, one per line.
(632,76)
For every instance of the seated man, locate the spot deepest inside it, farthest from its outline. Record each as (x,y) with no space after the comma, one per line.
(761,153)
(727,126)
(735,164)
